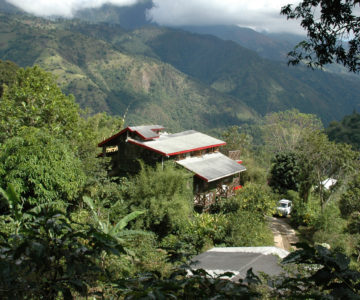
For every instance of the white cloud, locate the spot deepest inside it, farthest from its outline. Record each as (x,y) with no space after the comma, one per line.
(65,8)
(257,14)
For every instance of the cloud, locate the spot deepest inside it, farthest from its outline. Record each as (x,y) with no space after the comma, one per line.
(261,15)
(65,8)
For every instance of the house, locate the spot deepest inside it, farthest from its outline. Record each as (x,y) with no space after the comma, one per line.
(215,174)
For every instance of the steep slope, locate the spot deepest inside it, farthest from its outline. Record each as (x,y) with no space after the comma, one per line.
(104,78)
(267,46)
(264,85)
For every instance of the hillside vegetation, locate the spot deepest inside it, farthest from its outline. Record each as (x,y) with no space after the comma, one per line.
(346,131)
(106,79)
(262,84)
(171,77)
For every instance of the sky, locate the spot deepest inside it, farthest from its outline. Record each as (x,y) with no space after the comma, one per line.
(261,15)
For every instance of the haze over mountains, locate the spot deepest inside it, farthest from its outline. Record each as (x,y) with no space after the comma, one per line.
(171,76)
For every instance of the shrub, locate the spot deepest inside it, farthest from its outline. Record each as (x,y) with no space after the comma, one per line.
(166,196)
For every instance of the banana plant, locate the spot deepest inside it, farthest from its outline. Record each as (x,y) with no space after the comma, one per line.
(117,231)
(15,205)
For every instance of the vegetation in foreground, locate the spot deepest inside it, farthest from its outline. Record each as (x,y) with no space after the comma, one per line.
(68,230)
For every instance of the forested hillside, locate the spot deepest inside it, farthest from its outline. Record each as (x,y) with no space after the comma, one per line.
(105,79)
(263,85)
(68,230)
(171,77)
(346,131)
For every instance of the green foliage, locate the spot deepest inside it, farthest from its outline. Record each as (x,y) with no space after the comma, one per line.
(35,100)
(284,172)
(165,193)
(117,231)
(283,130)
(303,213)
(200,285)
(350,200)
(354,223)
(330,227)
(320,159)
(7,74)
(328,24)
(328,276)
(41,168)
(346,131)
(256,198)
(51,258)
(207,230)
(248,229)
(236,140)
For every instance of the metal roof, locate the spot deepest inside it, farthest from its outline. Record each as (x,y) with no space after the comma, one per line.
(146,132)
(239,259)
(182,142)
(212,167)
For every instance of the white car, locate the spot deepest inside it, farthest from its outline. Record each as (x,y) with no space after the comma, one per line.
(284,207)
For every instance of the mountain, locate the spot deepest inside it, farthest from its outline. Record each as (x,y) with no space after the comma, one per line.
(272,47)
(128,17)
(262,84)
(9,8)
(171,76)
(106,79)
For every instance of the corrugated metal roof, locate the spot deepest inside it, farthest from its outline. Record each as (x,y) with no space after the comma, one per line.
(239,259)
(182,142)
(212,167)
(147,131)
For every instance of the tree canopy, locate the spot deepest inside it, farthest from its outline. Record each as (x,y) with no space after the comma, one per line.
(42,168)
(346,131)
(35,100)
(333,31)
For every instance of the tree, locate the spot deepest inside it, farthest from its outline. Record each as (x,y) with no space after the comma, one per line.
(346,131)
(329,24)
(284,172)
(284,129)
(165,193)
(50,257)
(41,168)
(320,159)
(35,100)
(236,140)
(8,71)
(350,200)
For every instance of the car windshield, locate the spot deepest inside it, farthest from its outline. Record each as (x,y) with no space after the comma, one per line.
(283,205)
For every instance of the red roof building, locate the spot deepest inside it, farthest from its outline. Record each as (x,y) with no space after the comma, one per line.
(193,150)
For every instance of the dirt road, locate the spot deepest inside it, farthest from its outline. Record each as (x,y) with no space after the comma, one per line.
(284,235)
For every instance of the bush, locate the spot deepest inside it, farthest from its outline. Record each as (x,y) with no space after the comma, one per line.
(165,195)
(41,167)
(247,229)
(256,198)
(303,214)
(350,200)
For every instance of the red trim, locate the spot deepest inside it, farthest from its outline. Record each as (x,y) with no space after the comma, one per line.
(128,129)
(175,153)
(203,178)
(112,137)
(196,149)
(146,147)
